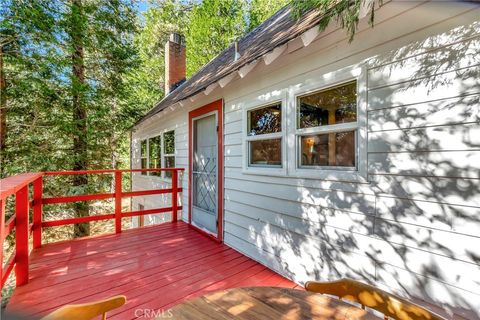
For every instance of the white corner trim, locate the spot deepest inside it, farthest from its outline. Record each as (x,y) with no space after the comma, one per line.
(225,80)
(310,35)
(274,54)
(210,88)
(243,71)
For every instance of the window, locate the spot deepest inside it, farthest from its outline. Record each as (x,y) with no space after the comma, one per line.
(264,136)
(169,152)
(143,155)
(158,152)
(327,127)
(154,154)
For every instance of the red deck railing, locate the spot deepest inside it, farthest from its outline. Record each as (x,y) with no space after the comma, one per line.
(19,187)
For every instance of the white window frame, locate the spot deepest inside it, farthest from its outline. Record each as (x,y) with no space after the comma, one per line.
(332,79)
(148,153)
(258,103)
(162,176)
(163,154)
(147,157)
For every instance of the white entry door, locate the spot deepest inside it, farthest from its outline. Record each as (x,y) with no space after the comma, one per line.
(205,173)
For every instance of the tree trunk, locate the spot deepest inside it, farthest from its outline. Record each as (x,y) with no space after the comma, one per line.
(79,113)
(3,111)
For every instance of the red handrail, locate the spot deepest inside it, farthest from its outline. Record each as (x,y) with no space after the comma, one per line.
(19,186)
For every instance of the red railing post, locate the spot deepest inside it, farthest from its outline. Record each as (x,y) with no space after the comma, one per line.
(37,212)
(21,236)
(174,195)
(118,201)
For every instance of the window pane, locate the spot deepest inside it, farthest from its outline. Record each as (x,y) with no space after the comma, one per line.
(154,154)
(144,165)
(331,106)
(169,163)
(143,155)
(330,149)
(143,148)
(266,152)
(169,142)
(265,120)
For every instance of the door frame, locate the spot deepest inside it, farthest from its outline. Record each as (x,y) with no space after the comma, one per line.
(209,108)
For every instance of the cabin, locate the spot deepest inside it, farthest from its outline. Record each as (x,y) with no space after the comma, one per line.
(294,155)
(322,158)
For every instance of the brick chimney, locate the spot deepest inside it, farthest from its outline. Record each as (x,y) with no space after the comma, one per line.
(175,62)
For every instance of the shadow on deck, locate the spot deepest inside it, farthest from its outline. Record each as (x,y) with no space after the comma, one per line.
(154,267)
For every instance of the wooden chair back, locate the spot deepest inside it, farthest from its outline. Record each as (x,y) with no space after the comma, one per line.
(390,305)
(87,311)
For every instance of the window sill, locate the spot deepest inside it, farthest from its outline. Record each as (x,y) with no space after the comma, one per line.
(347,176)
(330,175)
(265,171)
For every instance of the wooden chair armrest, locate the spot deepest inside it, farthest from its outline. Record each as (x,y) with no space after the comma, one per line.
(87,311)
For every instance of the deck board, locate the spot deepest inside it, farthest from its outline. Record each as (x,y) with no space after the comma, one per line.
(155,267)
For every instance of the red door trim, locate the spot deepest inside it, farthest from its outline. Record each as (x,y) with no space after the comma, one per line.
(214,106)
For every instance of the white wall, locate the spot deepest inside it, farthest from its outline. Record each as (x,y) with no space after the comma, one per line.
(177,122)
(413,225)
(167,120)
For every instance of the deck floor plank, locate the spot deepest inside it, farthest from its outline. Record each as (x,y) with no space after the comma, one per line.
(155,267)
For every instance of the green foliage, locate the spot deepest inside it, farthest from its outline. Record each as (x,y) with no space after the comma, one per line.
(147,80)
(209,27)
(213,26)
(123,62)
(261,10)
(346,12)
(39,39)
(40,84)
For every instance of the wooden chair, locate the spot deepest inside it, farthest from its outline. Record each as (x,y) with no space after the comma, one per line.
(368,296)
(87,311)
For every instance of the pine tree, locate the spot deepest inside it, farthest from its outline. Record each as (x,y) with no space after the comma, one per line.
(66,85)
(213,26)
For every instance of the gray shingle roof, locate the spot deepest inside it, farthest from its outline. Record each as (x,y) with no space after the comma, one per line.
(275,31)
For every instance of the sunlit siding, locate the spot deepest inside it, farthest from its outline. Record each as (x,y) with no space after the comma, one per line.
(414,226)
(175,121)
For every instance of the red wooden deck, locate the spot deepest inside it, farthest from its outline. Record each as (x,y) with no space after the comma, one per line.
(154,267)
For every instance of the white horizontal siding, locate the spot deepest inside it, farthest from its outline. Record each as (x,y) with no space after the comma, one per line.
(417,216)
(306,239)
(429,114)
(459,55)
(462,219)
(342,200)
(459,137)
(455,164)
(447,85)
(175,121)
(413,226)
